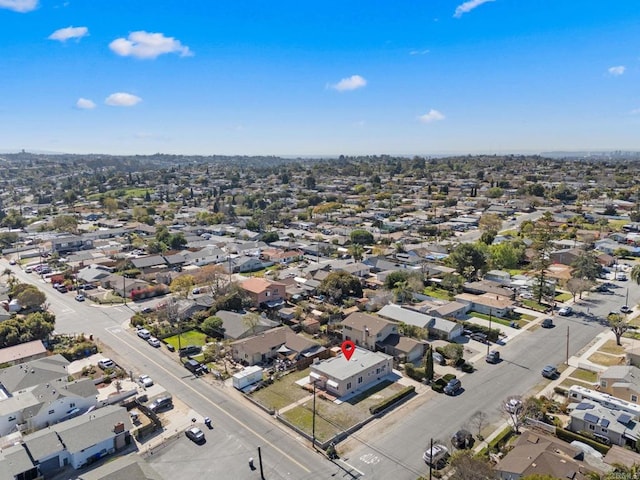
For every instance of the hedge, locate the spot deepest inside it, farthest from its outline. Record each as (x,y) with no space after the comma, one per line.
(561,390)
(467,367)
(391,400)
(438,385)
(448,377)
(568,436)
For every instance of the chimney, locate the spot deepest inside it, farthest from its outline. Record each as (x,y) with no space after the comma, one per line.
(118,427)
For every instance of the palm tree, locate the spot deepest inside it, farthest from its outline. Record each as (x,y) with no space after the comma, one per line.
(635,274)
(357,251)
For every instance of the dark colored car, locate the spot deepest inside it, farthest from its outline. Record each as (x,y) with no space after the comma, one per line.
(189,350)
(493,357)
(162,403)
(453,386)
(479,337)
(550,372)
(547,323)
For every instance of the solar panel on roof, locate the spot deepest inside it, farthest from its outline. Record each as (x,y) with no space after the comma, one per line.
(624,418)
(604,422)
(584,406)
(590,417)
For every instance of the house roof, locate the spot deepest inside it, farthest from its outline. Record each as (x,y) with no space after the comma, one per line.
(122,468)
(359,321)
(258,285)
(23,350)
(86,430)
(402,344)
(341,369)
(274,338)
(35,372)
(43,443)
(149,261)
(417,319)
(624,374)
(235,326)
(14,460)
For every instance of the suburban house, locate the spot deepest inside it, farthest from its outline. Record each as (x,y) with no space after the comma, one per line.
(283,257)
(340,376)
(70,243)
(93,273)
(621,381)
(37,394)
(236,326)
(281,342)
(535,453)
(263,291)
(78,442)
(23,352)
(367,330)
(243,264)
(436,326)
(487,303)
(610,426)
(124,467)
(15,464)
(204,256)
(488,286)
(405,349)
(498,276)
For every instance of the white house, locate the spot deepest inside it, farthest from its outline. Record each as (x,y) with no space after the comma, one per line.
(436,326)
(340,376)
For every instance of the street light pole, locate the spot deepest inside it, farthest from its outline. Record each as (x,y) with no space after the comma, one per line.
(313,418)
(488,340)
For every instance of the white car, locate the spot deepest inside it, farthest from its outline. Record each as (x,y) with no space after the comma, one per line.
(433,456)
(513,405)
(154,342)
(106,363)
(144,334)
(145,380)
(565,311)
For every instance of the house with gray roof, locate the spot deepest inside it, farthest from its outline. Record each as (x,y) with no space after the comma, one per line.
(621,381)
(236,326)
(341,377)
(16,464)
(610,426)
(436,326)
(270,344)
(122,468)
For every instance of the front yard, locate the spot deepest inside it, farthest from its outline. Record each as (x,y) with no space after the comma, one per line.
(191,337)
(282,392)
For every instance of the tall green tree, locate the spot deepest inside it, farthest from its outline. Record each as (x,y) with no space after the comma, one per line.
(586,266)
(469,260)
(428,364)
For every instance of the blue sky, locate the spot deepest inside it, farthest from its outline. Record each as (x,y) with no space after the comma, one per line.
(319,77)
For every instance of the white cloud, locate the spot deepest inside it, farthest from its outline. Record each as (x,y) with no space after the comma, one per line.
(65,34)
(419,52)
(350,83)
(85,104)
(617,71)
(21,6)
(148,45)
(431,116)
(122,99)
(635,111)
(466,7)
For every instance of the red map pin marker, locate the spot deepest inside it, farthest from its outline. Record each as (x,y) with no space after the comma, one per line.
(348,347)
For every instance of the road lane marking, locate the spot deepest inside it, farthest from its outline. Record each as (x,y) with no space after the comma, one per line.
(290,458)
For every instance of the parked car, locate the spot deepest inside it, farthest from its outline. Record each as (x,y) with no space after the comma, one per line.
(547,323)
(80,298)
(513,405)
(145,380)
(195,367)
(147,310)
(479,337)
(462,439)
(439,358)
(195,435)
(453,386)
(565,311)
(106,363)
(195,291)
(493,356)
(625,309)
(189,350)
(436,455)
(144,334)
(550,372)
(162,403)
(88,286)
(154,342)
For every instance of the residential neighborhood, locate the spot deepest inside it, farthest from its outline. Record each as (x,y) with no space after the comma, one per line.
(136,295)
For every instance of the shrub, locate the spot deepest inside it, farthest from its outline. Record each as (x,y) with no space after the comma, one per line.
(561,390)
(493,334)
(448,377)
(405,392)
(459,362)
(467,367)
(501,438)
(568,436)
(438,385)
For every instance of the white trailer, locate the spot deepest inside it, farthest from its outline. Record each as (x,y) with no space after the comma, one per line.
(247,376)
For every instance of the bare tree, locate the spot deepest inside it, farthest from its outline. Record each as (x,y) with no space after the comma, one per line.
(478,420)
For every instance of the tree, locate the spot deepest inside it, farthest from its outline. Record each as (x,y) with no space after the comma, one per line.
(454,352)
(212,326)
(251,321)
(356,251)
(270,237)
(428,364)
(452,282)
(586,266)
(478,420)
(490,222)
(65,223)
(488,237)
(339,285)
(635,274)
(361,237)
(402,292)
(182,285)
(394,278)
(617,325)
(468,466)
(468,259)
(506,254)
(31,298)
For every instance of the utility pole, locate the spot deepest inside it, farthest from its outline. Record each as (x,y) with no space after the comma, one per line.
(260,463)
(431,460)
(313,418)
(488,340)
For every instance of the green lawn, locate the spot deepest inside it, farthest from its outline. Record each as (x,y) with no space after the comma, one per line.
(437,293)
(282,392)
(584,375)
(533,305)
(302,417)
(191,337)
(563,297)
(122,192)
(571,381)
